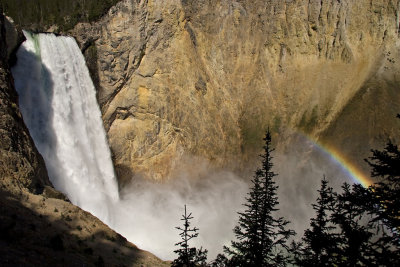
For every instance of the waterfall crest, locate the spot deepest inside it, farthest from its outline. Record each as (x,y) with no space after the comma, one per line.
(58,103)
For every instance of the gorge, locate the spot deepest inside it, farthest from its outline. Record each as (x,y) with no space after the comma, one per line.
(58,104)
(186,90)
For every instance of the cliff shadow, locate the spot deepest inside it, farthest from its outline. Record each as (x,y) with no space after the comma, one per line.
(35,87)
(55,233)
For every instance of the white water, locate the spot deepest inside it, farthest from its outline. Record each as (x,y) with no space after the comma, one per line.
(58,103)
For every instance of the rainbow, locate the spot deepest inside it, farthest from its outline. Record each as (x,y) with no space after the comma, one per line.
(347,166)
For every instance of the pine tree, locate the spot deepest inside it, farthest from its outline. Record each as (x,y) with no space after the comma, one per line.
(220,261)
(319,242)
(354,242)
(382,201)
(386,167)
(364,239)
(188,256)
(261,238)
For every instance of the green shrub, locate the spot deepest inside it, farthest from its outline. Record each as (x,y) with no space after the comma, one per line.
(40,14)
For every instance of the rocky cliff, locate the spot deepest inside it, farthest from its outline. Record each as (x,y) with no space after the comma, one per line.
(21,166)
(38,225)
(179,79)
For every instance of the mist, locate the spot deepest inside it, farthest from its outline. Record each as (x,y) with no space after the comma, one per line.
(57,100)
(148,212)
(58,104)
(301,166)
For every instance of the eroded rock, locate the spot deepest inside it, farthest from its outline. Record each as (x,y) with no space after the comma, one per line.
(206,78)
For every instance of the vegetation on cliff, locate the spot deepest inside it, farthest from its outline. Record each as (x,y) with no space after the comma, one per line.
(38,225)
(65,14)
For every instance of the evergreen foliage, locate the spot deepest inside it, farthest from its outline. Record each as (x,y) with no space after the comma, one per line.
(386,193)
(345,232)
(364,240)
(382,202)
(261,238)
(41,14)
(364,223)
(319,242)
(188,256)
(354,240)
(220,261)
(357,227)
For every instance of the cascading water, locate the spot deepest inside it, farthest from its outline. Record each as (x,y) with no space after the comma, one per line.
(58,103)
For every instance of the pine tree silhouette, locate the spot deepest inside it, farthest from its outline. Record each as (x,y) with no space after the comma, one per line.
(261,238)
(354,242)
(386,167)
(319,242)
(188,256)
(382,202)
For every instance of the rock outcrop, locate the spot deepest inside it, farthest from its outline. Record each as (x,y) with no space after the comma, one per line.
(205,78)
(21,165)
(179,80)
(38,225)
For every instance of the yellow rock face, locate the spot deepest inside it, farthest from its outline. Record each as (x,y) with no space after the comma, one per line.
(206,78)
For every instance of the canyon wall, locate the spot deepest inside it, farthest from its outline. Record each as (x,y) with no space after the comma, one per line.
(183,80)
(21,165)
(38,224)
(204,79)
(180,82)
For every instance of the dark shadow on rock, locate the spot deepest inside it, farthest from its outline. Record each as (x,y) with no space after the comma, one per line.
(30,238)
(20,163)
(34,85)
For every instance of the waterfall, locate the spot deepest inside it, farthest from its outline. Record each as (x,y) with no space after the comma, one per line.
(58,103)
